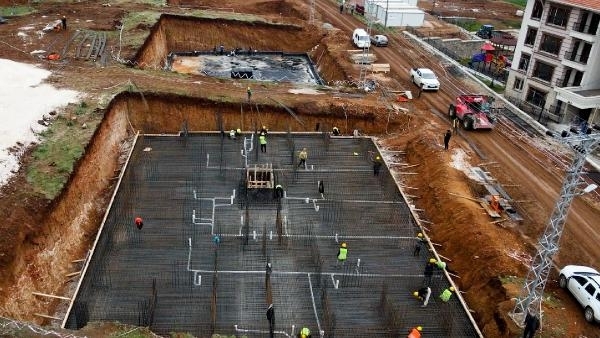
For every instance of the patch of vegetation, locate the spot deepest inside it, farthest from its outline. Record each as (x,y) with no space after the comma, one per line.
(519,3)
(157,3)
(516,24)
(16,10)
(512,280)
(228,15)
(133,36)
(61,145)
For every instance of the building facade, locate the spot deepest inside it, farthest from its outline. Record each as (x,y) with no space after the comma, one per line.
(555,74)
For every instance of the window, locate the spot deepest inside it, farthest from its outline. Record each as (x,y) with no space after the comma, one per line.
(524,62)
(538,8)
(530,37)
(543,71)
(538,98)
(580,280)
(518,85)
(558,16)
(550,44)
(590,289)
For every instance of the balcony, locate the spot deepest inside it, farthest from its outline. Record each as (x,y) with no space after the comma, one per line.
(575,57)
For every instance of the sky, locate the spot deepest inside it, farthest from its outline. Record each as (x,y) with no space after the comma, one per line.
(24,99)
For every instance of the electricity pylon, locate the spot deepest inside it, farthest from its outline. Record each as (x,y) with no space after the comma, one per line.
(530,299)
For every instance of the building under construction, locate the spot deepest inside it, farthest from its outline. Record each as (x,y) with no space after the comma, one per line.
(219,246)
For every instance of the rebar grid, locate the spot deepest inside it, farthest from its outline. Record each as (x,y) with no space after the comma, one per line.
(199,264)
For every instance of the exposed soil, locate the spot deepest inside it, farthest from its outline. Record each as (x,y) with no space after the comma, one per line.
(41,238)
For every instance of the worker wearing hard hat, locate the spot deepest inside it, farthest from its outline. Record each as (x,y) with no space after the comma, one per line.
(377,163)
(232,134)
(342,254)
(336,131)
(444,266)
(262,139)
(278,191)
(446,294)
(304,333)
(428,271)
(415,332)
(420,243)
(423,295)
(263,131)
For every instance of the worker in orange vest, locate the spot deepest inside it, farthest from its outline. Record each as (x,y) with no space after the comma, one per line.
(139,223)
(415,332)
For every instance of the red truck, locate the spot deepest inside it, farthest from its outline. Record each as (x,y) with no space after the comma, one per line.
(473,111)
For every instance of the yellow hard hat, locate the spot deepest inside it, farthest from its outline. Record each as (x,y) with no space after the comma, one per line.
(420,234)
(303,336)
(432,260)
(419,328)
(416,294)
(343,244)
(451,288)
(239,130)
(377,158)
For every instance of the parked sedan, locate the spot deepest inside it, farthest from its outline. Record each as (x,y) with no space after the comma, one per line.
(584,284)
(379,40)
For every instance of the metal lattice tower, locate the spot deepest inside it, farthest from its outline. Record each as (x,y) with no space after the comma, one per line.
(548,245)
(311,12)
(362,78)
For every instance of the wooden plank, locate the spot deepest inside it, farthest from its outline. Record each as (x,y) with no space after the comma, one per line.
(51,296)
(73,273)
(47,316)
(466,197)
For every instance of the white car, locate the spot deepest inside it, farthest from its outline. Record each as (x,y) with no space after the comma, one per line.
(424,78)
(584,284)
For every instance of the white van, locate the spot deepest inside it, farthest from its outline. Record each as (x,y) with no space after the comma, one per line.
(360,38)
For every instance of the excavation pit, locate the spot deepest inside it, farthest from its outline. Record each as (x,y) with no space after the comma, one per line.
(199,264)
(261,66)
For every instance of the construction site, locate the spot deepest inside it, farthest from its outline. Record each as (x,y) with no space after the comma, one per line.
(172,126)
(215,234)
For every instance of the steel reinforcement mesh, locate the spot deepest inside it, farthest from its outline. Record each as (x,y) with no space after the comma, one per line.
(212,254)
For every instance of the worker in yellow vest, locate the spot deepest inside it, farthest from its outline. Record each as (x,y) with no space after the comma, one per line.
(342,254)
(446,294)
(262,139)
(304,333)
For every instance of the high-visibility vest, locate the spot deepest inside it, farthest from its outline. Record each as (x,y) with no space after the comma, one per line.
(343,253)
(441,265)
(262,139)
(446,294)
(414,333)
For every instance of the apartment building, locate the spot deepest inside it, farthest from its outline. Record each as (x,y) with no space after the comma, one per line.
(556,66)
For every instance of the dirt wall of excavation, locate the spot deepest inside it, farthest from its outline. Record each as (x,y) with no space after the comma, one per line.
(181,33)
(69,227)
(454,228)
(167,114)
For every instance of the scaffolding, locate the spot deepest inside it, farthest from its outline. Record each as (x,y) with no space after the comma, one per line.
(215,253)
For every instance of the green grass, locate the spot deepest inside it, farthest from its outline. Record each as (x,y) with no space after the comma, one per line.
(133,36)
(519,3)
(16,10)
(61,145)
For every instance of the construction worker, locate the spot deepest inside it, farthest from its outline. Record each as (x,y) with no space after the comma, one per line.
(263,130)
(444,266)
(376,165)
(278,191)
(342,254)
(238,132)
(302,156)
(262,139)
(249,93)
(447,137)
(532,324)
(232,134)
(423,294)
(446,294)
(139,223)
(63,21)
(304,333)
(428,271)
(415,332)
(336,131)
(420,243)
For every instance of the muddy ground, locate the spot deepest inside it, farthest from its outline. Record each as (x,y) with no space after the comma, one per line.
(41,238)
